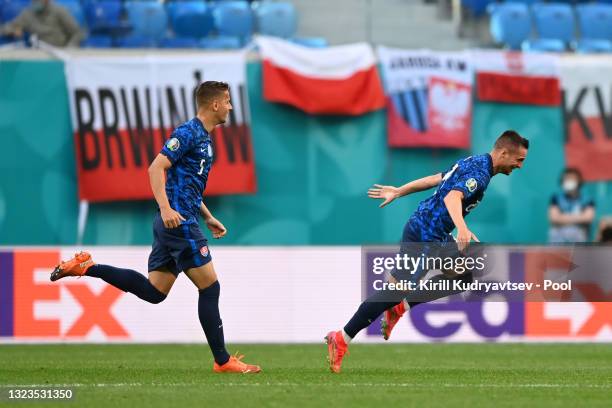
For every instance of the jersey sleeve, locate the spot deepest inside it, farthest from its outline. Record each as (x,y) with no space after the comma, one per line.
(177,145)
(470,183)
(554,200)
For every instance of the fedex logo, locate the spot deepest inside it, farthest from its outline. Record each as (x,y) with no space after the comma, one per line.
(21,292)
(528,317)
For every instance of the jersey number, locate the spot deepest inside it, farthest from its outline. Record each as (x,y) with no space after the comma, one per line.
(201,167)
(447,176)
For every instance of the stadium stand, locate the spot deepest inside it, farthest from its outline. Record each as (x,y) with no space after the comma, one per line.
(149,23)
(595,25)
(554,21)
(234,19)
(510,24)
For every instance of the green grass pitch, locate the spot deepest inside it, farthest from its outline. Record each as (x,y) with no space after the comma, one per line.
(410,375)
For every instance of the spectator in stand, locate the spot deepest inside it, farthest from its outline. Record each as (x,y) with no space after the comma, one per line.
(570,212)
(47,21)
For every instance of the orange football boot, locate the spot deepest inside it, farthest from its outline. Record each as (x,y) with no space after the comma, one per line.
(234,365)
(336,349)
(390,319)
(76,266)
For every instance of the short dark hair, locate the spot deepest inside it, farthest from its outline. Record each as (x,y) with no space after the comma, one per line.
(606,235)
(510,139)
(575,172)
(209,90)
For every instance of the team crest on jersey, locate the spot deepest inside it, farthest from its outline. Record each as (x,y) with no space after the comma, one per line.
(204,251)
(173,144)
(471,185)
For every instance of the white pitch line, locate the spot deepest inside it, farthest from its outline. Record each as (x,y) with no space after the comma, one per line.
(287,384)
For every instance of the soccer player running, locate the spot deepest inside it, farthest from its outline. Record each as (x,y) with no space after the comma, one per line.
(459,190)
(178,178)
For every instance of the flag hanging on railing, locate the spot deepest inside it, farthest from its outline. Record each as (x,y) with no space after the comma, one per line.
(340,80)
(428,97)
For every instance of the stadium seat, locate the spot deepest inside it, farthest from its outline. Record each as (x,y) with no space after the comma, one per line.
(98,41)
(528,2)
(276,19)
(234,19)
(9,9)
(190,19)
(221,42)
(149,24)
(588,46)
(179,42)
(510,24)
(554,21)
(543,44)
(103,15)
(595,21)
(595,24)
(75,8)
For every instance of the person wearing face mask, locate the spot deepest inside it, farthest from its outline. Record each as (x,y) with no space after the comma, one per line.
(49,22)
(570,212)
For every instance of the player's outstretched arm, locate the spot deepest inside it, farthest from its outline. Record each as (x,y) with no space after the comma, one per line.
(390,193)
(214,225)
(453,204)
(157,178)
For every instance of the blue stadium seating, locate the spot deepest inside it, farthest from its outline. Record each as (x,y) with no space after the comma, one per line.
(234,19)
(98,41)
(510,24)
(276,19)
(554,21)
(528,2)
(103,15)
(9,9)
(221,42)
(179,42)
(588,46)
(149,24)
(595,21)
(543,44)
(190,19)
(75,9)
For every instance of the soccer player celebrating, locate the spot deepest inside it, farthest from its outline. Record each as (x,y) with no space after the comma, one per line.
(459,190)
(178,178)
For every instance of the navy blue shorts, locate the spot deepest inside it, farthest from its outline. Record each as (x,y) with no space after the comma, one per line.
(410,242)
(177,249)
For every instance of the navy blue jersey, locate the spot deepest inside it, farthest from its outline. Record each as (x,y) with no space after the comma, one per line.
(189,149)
(431,221)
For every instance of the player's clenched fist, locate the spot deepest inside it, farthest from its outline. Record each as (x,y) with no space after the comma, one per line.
(171,218)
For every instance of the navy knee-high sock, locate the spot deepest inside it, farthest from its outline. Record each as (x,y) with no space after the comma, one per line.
(376,304)
(128,281)
(370,309)
(210,319)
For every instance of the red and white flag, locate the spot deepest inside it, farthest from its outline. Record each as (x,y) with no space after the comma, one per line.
(429,97)
(516,77)
(335,80)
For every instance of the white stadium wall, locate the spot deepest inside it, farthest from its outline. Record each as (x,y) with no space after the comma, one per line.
(268,295)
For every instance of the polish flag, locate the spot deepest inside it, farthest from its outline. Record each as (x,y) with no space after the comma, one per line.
(339,80)
(518,78)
